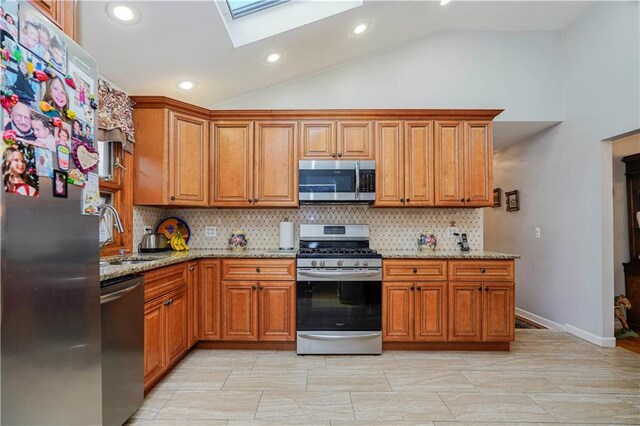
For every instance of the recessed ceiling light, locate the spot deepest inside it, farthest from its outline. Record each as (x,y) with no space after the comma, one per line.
(444,2)
(360,28)
(272,58)
(123,12)
(186,84)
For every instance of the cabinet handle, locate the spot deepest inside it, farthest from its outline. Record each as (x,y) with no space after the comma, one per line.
(408,200)
(468,199)
(418,288)
(261,287)
(480,288)
(415,270)
(486,288)
(192,268)
(412,288)
(254,288)
(482,270)
(402,200)
(462,200)
(255,200)
(250,200)
(172,198)
(339,154)
(166,303)
(258,270)
(333,155)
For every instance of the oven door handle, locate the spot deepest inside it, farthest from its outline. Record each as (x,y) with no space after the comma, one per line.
(340,337)
(338,274)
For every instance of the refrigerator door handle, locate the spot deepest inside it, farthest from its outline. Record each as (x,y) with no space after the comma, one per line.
(117,294)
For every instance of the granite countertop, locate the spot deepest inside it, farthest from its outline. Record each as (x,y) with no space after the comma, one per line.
(157,260)
(446,254)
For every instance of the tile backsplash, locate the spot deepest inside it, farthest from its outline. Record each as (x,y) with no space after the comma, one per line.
(390,229)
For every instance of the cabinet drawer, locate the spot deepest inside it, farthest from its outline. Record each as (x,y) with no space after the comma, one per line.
(164,280)
(414,270)
(481,270)
(258,269)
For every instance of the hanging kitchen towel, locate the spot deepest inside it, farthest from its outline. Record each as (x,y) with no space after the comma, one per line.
(115,116)
(286,235)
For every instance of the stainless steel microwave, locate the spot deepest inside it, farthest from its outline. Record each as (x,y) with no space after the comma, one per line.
(337,181)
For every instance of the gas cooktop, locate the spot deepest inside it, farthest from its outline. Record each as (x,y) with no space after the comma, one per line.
(338,252)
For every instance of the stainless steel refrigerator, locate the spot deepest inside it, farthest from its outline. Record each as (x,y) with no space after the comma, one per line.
(50,350)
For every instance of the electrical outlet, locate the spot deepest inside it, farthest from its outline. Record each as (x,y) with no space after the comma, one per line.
(537,229)
(451,231)
(210,231)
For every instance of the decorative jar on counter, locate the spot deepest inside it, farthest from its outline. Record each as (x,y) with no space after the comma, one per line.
(238,240)
(427,241)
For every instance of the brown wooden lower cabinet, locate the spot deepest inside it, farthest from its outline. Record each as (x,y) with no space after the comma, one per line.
(209,303)
(414,311)
(481,312)
(193,280)
(167,311)
(258,310)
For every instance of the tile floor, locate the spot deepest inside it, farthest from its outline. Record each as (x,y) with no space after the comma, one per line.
(548,377)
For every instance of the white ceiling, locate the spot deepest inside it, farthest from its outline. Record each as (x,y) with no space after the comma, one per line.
(175,40)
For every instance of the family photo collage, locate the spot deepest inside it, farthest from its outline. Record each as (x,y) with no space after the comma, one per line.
(48,104)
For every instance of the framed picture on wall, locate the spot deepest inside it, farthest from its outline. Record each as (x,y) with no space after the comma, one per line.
(513,203)
(497,197)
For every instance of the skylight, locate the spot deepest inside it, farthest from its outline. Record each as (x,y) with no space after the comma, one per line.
(275,20)
(240,8)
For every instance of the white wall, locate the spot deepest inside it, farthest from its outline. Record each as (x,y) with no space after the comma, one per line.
(564,176)
(622,147)
(517,71)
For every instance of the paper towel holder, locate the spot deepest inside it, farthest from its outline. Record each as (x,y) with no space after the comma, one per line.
(289,244)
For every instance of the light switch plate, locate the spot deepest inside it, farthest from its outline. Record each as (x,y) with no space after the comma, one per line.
(210,231)
(451,231)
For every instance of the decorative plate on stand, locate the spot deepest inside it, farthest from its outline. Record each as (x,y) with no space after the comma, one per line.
(171,225)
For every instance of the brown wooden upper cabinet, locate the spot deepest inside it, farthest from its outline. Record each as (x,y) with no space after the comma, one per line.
(404,175)
(328,139)
(463,163)
(254,164)
(60,12)
(171,160)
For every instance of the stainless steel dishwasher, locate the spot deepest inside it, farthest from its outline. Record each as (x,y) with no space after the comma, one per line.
(122,302)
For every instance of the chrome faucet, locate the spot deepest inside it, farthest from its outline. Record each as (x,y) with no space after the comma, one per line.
(103,208)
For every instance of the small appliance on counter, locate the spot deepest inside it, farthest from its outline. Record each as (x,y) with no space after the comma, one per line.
(152,243)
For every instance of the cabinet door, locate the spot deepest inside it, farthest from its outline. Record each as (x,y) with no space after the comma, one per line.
(193,279)
(154,340)
(498,312)
(318,140)
(397,311)
(177,309)
(355,140)
(431,312)
(448,165)
(232,164)
(239,310)
(465,318)
(188,160)
(60,12)
(418,163)
(210,300)
(277,310)
(389,164)
(276,164)
(478,163)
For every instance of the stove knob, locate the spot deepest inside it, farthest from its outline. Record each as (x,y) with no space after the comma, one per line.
(365,263)
(314,263)
(322,263)
(356,262)
(339,262)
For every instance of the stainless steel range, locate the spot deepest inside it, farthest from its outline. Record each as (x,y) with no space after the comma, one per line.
(338,291)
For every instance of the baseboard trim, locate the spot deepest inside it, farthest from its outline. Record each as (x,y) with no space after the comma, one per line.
(540,320)
(608,342)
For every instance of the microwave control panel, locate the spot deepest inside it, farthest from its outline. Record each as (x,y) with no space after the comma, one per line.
(367,181)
